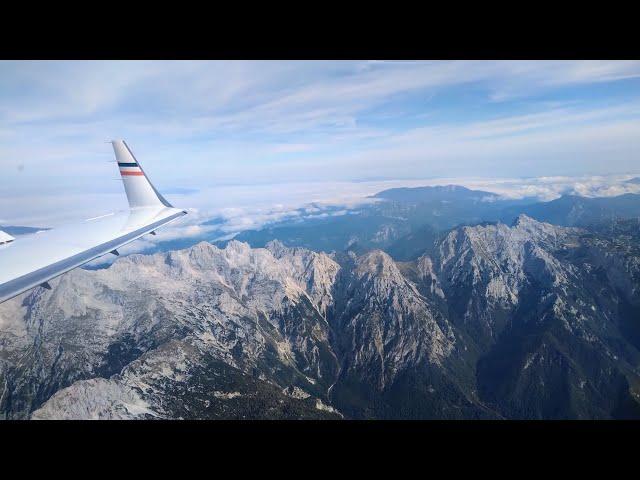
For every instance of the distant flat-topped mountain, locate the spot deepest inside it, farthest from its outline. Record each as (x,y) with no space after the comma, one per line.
(16,230)
(399,212)
(435,193)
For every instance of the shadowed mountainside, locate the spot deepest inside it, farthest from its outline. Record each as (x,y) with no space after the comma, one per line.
(524,321)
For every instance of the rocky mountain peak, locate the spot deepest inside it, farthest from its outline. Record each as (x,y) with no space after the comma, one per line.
(530,320)
(277,248)
(376,262)
(493,262)
(315,272)
(531,229)
(378,270)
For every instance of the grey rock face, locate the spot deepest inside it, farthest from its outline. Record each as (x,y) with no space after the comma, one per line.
(549,312)
(240,308)
(528,321)
(386,321)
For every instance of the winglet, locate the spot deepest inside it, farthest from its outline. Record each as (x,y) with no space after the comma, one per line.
(140,191)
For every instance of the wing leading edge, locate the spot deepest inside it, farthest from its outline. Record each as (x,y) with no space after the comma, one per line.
(35,259)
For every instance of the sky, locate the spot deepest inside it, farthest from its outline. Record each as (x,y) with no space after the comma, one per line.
(268,136)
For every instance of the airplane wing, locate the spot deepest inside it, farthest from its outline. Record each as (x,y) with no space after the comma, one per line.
(33,260)
(5,238)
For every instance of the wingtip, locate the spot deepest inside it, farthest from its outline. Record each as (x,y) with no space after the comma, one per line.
(5,238)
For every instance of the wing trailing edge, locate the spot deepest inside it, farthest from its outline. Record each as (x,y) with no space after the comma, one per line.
(5,238)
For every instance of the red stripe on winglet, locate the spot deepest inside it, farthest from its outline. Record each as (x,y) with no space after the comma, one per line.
(132,173)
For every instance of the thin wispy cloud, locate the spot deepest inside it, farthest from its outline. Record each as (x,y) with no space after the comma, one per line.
(199,124)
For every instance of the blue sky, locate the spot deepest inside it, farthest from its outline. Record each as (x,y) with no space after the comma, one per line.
(200,124)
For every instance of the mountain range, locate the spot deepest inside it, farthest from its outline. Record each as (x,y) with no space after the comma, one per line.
(525,320)
(405,222)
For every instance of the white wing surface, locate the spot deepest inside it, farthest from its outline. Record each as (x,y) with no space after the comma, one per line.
(5,238)
(33,260)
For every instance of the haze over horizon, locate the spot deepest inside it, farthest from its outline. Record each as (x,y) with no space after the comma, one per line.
(234,125)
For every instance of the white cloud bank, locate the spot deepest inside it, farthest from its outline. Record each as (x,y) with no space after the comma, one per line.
(243,207)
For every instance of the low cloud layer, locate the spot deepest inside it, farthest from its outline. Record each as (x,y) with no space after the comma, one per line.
(550,188)
(220,213)
(241,207)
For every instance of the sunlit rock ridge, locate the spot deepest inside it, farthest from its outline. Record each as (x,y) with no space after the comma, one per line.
(530,320)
